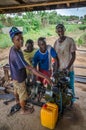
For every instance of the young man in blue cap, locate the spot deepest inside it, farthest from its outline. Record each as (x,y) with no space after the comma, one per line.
(18,68)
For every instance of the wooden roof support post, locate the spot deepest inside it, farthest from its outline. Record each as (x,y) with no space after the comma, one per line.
(68,4)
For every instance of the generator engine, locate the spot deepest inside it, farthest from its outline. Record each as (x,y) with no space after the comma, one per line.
(60,93)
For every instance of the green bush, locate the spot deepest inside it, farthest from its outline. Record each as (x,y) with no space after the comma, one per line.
(49,34)
(82,40)
(71,27)
(82,27)
(5,41)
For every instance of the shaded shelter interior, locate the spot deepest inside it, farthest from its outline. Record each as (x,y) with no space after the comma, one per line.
(14,6)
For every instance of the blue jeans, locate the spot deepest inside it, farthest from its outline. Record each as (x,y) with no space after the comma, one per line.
(72,76)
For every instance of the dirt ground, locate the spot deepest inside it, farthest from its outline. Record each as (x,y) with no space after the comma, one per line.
(72,120)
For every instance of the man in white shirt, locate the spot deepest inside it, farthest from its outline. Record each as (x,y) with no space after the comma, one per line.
(66,49)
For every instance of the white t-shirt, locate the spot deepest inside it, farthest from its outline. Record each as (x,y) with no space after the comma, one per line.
(64,50)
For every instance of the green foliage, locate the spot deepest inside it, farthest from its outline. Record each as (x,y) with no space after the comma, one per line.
(5,41)
(1,25)
(82,27)
(80,42)
(45,32)
(29,21)
(53,17)
(49,34)
(73,18)
(70,27)
(84,17)
(82,39)
(36,24)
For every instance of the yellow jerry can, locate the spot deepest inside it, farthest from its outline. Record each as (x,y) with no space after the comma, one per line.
(49,115)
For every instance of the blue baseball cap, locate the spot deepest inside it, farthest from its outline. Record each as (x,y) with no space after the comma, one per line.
(13,31)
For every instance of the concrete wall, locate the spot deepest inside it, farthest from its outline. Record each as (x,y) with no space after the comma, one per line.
(6,30)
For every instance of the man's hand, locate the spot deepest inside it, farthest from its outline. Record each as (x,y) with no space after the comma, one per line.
(37,73)
(49,81)
(66,71)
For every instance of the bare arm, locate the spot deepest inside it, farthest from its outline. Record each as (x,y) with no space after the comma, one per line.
(57,59)
(37,73)
(72,60)
(56,65)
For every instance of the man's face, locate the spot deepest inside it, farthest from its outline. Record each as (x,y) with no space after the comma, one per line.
(60,32)
(18,40)
(42,46)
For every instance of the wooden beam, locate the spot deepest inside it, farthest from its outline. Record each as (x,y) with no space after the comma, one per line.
(42,4)
(20,1)
(82,67)
(68,4)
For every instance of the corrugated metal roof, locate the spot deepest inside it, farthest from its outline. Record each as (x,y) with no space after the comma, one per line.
(13,6)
